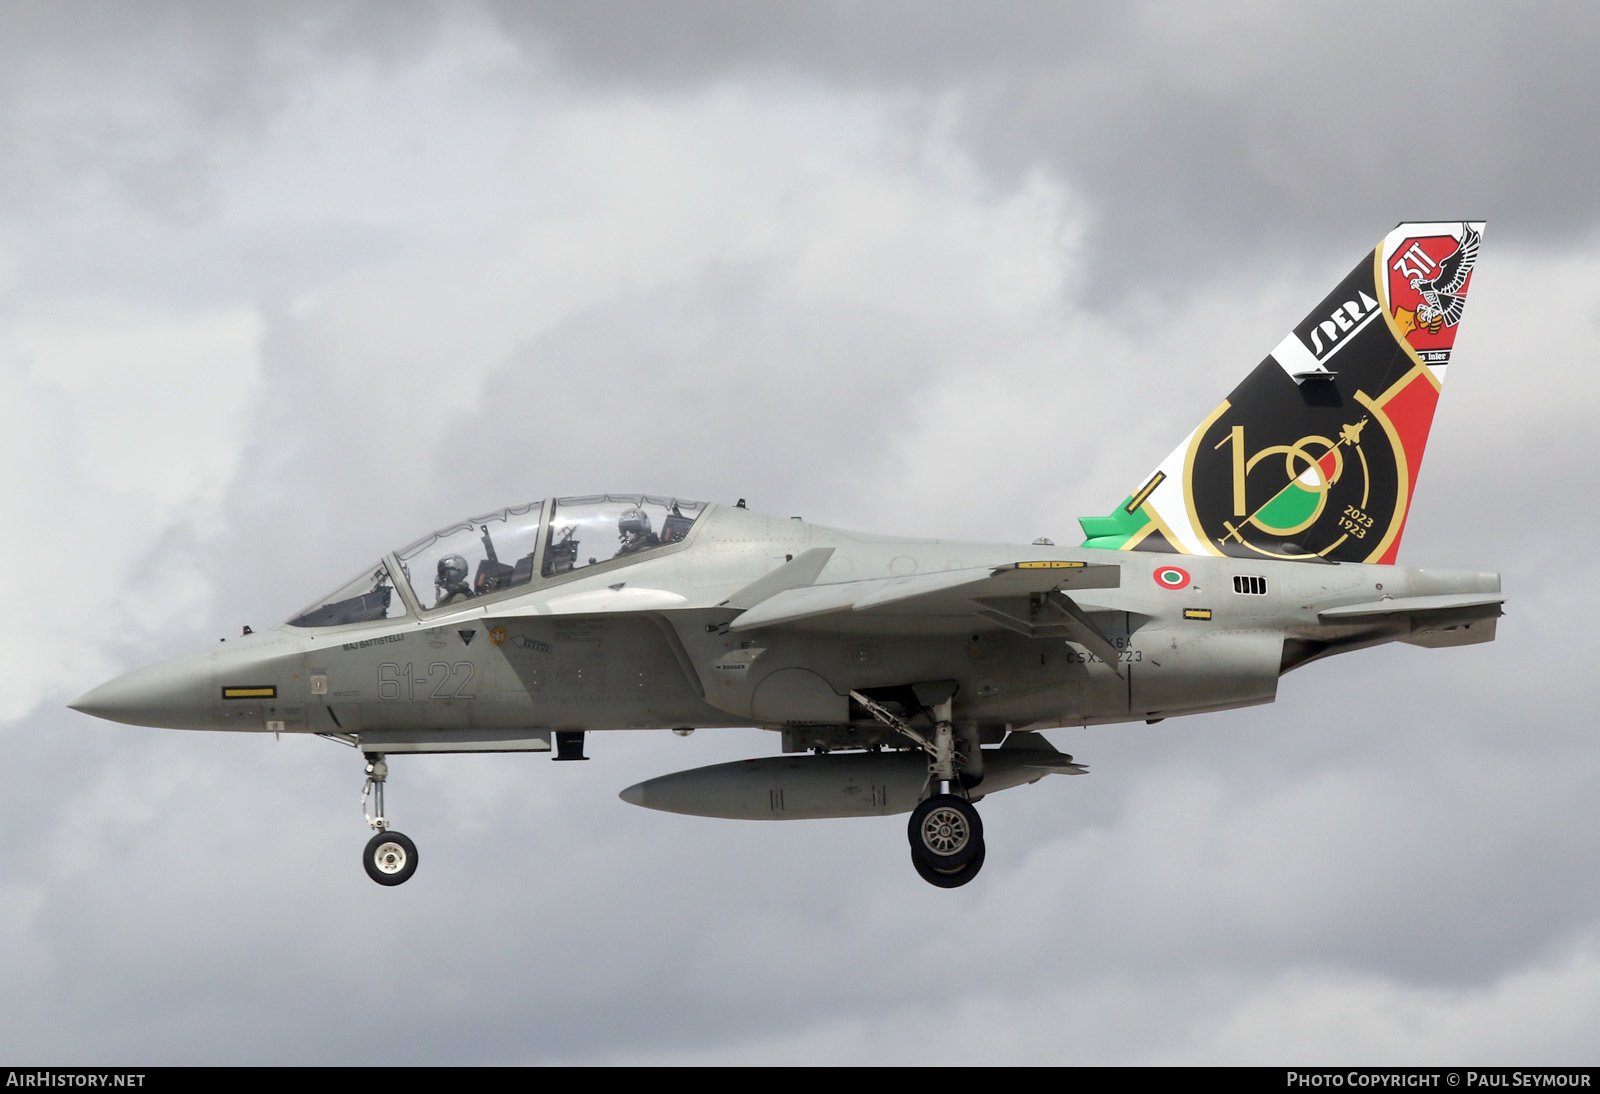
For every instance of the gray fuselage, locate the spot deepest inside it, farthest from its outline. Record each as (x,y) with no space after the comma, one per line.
(645,643)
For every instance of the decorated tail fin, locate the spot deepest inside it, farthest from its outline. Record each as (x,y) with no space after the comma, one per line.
(1316,453)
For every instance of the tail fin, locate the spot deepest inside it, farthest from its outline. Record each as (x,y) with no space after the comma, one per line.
(1316,453)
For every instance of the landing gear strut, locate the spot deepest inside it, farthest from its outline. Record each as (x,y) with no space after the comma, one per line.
(945,831)
(390,858)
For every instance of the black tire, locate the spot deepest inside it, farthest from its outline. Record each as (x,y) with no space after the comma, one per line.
(945,832)
(390,858)
(950,879)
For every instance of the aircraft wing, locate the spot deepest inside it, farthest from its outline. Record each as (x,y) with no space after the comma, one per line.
(947,592)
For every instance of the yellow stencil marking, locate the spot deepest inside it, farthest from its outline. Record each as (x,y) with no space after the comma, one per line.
(1149,488)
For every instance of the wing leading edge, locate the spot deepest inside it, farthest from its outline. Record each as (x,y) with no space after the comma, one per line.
(948,592)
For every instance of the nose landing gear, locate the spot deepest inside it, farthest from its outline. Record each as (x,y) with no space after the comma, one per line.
(390,858)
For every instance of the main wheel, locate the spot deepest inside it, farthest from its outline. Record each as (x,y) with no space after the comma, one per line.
(950,879)
(945,832)
(390,858)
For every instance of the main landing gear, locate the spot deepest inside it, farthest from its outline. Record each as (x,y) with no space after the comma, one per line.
(946,837)
(945,831)
(390,858)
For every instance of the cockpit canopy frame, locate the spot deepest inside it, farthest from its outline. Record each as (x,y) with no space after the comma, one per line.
(505,552)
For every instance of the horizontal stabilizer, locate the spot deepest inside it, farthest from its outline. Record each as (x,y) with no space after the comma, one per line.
(1438,635)
(1478,605)
(1448,619)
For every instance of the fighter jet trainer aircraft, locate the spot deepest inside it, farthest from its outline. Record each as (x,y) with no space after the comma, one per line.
(899,675)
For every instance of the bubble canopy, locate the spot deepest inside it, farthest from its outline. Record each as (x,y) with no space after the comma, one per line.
(504,552)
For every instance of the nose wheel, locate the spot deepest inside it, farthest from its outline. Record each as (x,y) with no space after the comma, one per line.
(390,858)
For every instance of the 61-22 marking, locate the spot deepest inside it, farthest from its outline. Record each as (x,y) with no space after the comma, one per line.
(396,681)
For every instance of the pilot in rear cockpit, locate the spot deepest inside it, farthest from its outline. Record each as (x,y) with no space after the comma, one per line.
(451,583)
(635,533)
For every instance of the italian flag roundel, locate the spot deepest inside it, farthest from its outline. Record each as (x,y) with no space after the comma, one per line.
(1172,577)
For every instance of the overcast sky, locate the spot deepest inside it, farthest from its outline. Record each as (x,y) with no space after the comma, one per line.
(283,286)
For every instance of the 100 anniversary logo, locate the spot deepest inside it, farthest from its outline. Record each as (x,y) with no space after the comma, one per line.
(1331,476)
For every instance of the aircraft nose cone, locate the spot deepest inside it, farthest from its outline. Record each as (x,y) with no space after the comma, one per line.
(174,694)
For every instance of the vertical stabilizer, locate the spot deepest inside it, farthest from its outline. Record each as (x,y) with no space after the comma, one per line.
(1316,453)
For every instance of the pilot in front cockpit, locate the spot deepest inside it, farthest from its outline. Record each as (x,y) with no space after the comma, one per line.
(451,582)
(635,533)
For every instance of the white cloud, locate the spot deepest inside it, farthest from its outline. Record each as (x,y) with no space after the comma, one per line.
(160,403)
(127,423)
(421,283)
(1545,1012)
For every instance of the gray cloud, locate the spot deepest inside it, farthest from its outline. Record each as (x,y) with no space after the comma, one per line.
(860,262)
(1202,139)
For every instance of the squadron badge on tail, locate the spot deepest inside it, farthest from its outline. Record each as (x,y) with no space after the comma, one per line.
(1315,454)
